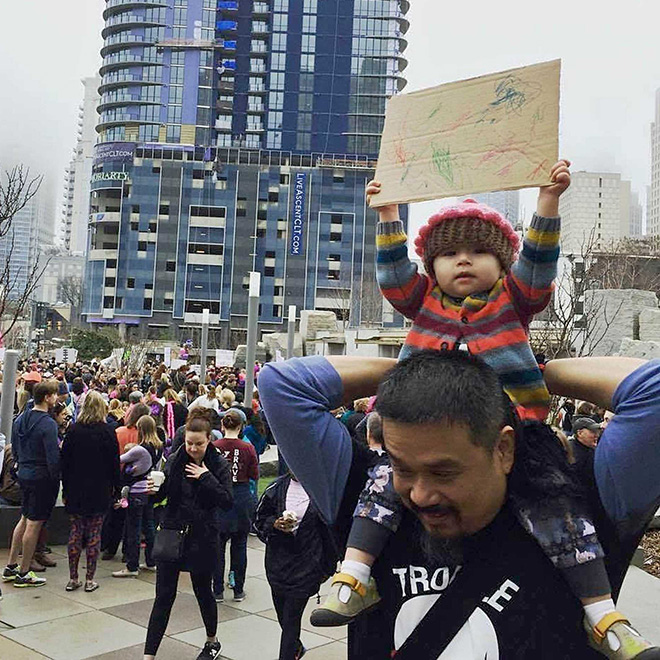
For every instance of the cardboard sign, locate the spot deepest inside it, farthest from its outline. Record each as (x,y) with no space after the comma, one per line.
(66,355)
(495,132)
(224,358)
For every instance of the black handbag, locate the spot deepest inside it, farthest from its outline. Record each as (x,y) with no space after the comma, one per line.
(169,544)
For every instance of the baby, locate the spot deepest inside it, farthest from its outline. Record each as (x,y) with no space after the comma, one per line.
(480,294)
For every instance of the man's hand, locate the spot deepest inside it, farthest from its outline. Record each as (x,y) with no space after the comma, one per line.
(548,202)
(389,213)
(195,471)
(285,525)
(151,487)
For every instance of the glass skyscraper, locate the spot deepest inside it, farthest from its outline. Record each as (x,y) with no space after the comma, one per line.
(234,136)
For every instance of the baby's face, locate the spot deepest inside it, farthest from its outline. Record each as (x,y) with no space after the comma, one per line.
(466,269)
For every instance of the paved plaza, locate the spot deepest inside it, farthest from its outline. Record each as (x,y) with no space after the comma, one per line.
(110,623)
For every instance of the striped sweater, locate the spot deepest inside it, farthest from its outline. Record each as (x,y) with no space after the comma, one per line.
(493,324)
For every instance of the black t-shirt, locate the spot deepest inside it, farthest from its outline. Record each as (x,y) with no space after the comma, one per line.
(523,608)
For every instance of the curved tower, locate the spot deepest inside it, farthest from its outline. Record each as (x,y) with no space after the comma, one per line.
(131,71)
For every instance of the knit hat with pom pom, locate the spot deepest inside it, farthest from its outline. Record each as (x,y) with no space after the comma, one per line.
(467,223)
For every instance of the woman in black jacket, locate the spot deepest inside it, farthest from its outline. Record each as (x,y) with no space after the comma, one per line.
(300,555)
(197,486)
(90,479)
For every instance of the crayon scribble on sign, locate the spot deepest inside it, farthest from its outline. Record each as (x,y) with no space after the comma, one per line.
(495,132)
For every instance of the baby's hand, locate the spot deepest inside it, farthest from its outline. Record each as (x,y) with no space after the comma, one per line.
(388,213)
(560,177)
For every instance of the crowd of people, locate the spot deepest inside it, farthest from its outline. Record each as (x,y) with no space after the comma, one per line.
(100,437)
(470,522)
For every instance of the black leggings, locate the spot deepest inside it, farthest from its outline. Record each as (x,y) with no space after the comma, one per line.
(167,579)
(289,614)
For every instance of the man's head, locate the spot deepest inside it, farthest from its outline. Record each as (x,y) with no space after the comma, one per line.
(374,430)
(447,429)
(586,431)
(45,392)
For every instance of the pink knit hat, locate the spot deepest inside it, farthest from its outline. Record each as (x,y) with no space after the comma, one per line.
(468,223)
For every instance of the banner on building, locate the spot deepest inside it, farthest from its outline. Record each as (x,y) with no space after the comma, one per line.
(296,247)
(496,132)
(121,152)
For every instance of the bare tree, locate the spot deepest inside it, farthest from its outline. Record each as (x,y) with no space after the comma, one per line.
(70,290)
(17,188)
(570,326)
(16,191)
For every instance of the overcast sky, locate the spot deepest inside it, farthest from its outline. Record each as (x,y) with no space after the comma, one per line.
(610,52)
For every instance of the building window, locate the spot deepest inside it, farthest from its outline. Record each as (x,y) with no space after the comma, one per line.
(170,266)
(335,236)
(270,254)
(146,304)
(130,283)
(164,209)
(109,281)
(269,271)
(108,302)
(142,246)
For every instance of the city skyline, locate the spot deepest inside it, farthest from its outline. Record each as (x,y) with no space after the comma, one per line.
(606,110)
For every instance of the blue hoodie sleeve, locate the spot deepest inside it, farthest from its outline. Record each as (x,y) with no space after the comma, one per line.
(297,396)
(627,460)
(52,448)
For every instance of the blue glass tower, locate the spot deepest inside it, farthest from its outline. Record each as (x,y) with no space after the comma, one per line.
(238,135)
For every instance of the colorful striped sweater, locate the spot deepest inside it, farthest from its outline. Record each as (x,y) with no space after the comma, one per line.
(493,324)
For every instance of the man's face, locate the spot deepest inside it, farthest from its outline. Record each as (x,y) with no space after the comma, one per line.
(588,438)
(51,400)
(453,486)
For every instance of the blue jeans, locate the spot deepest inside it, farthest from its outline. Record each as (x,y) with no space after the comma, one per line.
(238,562)
(139,519)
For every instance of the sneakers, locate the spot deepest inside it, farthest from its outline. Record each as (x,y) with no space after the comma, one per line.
(146,567)
(125,573)
(211,650)
(334,612)
(28,580)
(615,638)
(219,598)
(300,652)
(9,574)
(239,596)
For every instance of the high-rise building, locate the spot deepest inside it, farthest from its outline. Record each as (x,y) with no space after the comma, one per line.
(24,245)
(507,202)
(636,215)
(653,199)
(595,211)
(79,172)
(238,136)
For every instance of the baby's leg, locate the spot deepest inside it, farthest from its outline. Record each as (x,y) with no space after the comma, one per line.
(377,516)
(562,526)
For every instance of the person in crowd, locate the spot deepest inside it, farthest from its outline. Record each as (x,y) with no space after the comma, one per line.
(128,434)
(197,487)
(255,432)
(300,556)
(567,411)
(78,391)
(90,481)
(138,460)
(179,436)
(358,414)
(10,490)
(178,377)
(25,395)
(235,525)
(113,524)
(586,433)
(190,392)
(227,398)
(60,413)
(206,399)
(115,417)
(175,413)
(36,450)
